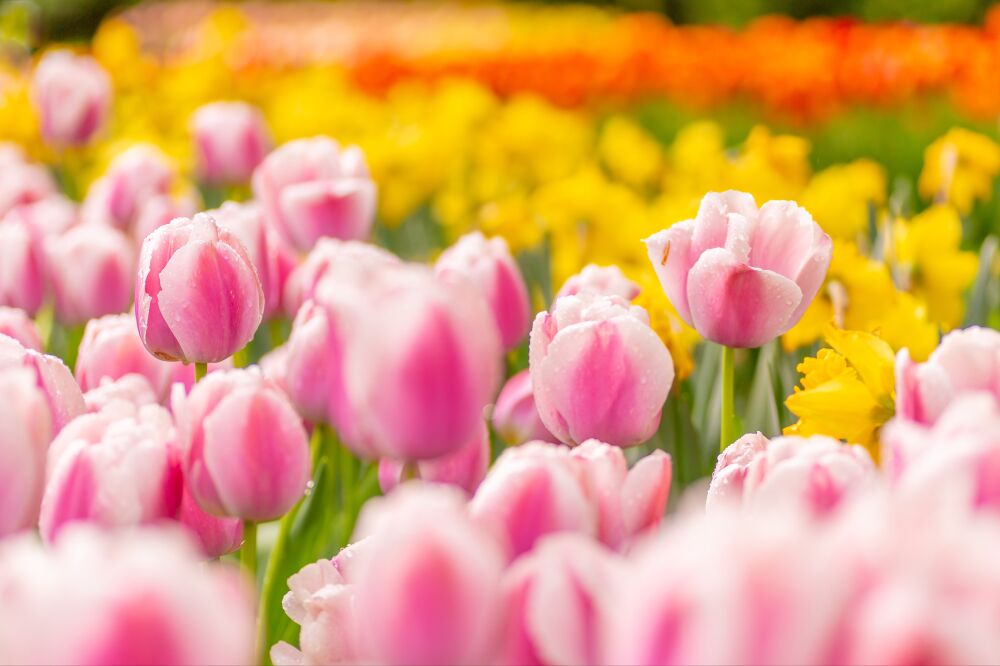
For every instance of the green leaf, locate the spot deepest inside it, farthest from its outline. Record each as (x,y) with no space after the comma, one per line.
(761,412)
(984,297)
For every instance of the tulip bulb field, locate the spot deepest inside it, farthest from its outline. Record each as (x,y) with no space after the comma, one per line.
(419,333)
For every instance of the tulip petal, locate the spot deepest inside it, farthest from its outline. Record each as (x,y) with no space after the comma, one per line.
(341,209)
(737,305)
(211,300)
(671,255)
(645,492)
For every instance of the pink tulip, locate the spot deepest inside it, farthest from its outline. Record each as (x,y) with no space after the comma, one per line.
(515,417)
(216,536)
(951,468)
(559,597)
(49,216)
(422,362)
(22,267)
(816,473)
(17,324)
(741,276)
(628,502)
(111,348)
(428,584)
(136,597)
(23,183)
(311,188)
(540,481)
(598,370)
(92,271)
(159,211)
(135,177)
(27,427)
(197,295)
(132,389)
(603,280)
(61,391)
(334,260)
(116,467)
(246,453)
(966,361)
(72,96)
(488,265)
(313,365)
(230,139)
(726,588)
(463,469)
(271,257)
(322,602)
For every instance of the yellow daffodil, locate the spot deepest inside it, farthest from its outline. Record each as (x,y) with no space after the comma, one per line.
(840,197)
(925,253)
(959,169)
(629,153)
(771,166)
(848,389)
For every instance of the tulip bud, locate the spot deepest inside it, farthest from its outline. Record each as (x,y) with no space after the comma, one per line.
(488,265)
(113,468)
(423,361)
(216,536)
(16,323)
(72,96)
(141,596)
(463,469)
(598,370)
(335,260)
(135,177)
(271,257)
(231,139)
(816,473)
(311,188)
(27,427)
(22,267)
(132,389)
(49,216)
(92,271)
(966,361)
(111,348)
(538,480)
(515,417)
(61,391)
(428,583)
(159,211)
(246,453)
(197,295)
(23,183)
(741,276)
(559,597)
(603,280)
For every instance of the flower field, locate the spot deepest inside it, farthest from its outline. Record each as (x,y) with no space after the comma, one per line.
(424,333)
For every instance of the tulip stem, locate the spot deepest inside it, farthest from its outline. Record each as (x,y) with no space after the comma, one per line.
(200,370)
(248,554)
(727,429)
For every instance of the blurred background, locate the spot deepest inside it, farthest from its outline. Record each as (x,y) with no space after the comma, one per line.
(77,19)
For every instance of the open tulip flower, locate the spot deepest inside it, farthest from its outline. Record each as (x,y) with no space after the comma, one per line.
(741,275)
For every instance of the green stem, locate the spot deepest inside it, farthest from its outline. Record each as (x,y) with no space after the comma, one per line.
(248,553)
(727,429)
(45,321)
(241,358)
(200,370)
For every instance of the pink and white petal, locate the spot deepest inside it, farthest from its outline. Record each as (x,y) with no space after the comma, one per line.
(645,493)
(737,305)
(672,257)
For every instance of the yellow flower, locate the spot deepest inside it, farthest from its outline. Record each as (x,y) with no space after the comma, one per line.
(925,253)
(630,154)
(697,162)
(959,168)
(771,166)
(840,196)
(848,390)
